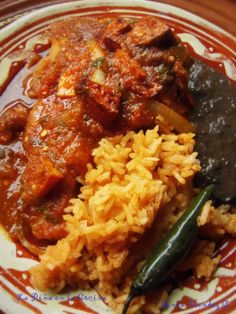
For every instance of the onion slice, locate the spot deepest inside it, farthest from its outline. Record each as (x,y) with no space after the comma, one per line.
(181,124)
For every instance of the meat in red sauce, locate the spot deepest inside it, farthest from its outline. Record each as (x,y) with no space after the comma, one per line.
(95,82)
(13,119)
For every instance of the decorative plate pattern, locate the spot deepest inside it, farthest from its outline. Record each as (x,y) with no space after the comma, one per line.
(205,41)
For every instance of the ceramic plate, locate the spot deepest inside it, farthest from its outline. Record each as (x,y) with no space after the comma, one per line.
(206,41)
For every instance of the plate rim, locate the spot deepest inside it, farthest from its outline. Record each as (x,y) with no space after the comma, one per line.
(58,7)
(49,10)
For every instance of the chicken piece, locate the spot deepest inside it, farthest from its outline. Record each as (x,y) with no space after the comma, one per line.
(127,66)
(39,177)
(69,118)
(113,34)
(135,114)
(13,119)
(66,85)
(118,27)
(42,229)
(151,31)
(129,69)
(96,71)
(46,72)
(44,220)
(133,77)
(49,119)
(54,145)
(103,101)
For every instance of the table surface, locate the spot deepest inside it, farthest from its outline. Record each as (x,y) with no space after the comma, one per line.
(219,12)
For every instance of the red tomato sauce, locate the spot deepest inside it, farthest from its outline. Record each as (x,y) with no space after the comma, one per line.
(95,81)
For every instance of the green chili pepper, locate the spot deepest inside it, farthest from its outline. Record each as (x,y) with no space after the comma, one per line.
(171,250)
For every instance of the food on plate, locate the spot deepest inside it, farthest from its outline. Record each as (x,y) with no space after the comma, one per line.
(170,251)
(215,97)
(134,177)
(94,82)
(101,165)
(138,188)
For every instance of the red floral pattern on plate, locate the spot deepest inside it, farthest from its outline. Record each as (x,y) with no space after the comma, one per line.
(213,47)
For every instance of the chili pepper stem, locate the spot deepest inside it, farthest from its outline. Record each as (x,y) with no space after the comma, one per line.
(127,302)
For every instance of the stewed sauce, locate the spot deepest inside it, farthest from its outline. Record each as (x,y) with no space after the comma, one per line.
(95,81)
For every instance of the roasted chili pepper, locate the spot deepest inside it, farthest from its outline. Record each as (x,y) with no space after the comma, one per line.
(171,250)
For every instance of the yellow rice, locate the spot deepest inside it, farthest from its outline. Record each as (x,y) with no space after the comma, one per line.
(137,188)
